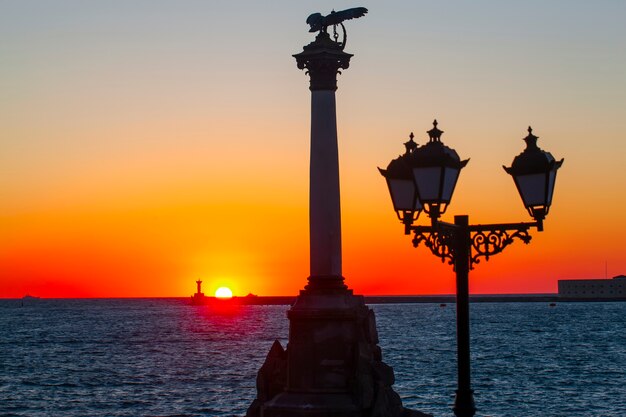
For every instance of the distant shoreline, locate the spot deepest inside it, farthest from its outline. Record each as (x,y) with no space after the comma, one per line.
(415,299)
(369,299)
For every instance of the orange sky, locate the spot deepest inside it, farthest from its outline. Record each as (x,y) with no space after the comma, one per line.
(142,151)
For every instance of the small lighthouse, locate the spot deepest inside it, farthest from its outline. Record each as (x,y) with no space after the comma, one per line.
(198,297)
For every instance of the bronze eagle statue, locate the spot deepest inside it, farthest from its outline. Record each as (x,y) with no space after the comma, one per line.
(321,23)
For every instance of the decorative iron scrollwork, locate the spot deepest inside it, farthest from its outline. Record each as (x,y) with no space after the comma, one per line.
(483,240)
(439,243)
(486,243)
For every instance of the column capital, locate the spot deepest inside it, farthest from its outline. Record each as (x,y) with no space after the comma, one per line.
(323,58)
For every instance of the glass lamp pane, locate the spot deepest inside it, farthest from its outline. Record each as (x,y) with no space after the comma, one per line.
(403,195)
(449,181)
(532,189)
(427,180)
(551,180)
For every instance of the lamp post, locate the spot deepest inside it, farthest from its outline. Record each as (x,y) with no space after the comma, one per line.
(423,179)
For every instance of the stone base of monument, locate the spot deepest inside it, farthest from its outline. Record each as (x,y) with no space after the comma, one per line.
(332,366)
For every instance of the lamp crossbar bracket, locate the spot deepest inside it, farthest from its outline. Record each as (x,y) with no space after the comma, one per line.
(484,240)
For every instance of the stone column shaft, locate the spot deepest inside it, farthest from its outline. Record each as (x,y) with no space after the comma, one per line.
(323,59)
(324,198)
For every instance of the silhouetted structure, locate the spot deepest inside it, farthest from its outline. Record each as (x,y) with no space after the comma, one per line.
(423,179)
(593,288)
(30,297)
(198,298)
(332,365)
(319,22)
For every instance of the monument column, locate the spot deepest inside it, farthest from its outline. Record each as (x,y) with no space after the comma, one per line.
(332,366)
(323,59)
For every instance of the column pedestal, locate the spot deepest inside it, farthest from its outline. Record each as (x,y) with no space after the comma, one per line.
(333,365)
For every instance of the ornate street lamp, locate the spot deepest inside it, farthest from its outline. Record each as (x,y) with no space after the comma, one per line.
(534,173)
(435,170)
(399,176)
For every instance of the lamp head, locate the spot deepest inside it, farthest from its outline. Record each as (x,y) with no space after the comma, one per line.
(534,172)
(436,169)
(401,186)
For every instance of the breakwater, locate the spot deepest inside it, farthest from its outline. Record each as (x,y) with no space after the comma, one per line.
(411,299)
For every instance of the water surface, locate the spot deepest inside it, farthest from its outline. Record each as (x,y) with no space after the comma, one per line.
(162,357)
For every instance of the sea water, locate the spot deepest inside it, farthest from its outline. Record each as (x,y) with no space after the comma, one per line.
(164,357)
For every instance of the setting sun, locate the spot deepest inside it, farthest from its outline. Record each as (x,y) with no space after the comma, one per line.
(223,292)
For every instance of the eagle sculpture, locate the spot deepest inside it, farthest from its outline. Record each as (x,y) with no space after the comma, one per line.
(320,23)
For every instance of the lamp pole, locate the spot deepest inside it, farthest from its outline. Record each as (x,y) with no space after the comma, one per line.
(461,244)
(433,170)
(464,401)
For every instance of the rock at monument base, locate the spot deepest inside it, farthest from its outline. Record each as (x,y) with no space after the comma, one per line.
(271,378)
(332,366)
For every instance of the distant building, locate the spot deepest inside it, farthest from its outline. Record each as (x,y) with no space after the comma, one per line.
(593,288)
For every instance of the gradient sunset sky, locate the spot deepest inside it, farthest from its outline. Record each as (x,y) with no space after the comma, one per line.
(148,144)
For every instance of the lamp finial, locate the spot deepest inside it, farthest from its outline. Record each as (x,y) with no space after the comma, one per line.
(435,133)
(531,140)
(410,145)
